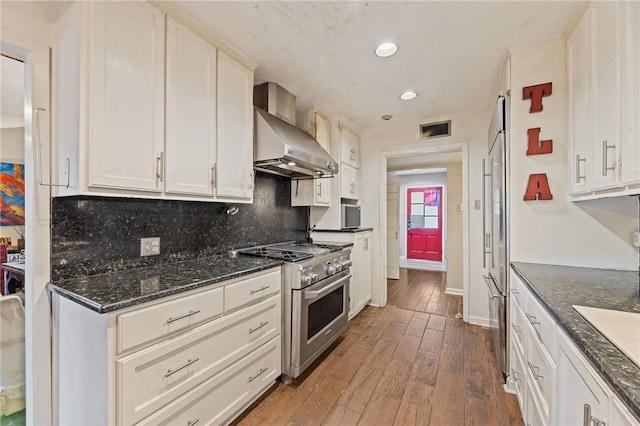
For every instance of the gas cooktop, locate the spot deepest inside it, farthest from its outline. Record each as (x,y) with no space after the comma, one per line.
(290,251)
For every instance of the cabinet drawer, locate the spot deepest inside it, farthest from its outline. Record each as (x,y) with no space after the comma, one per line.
(544,326)
(221,397)
(251,289)
(149,379)
(518,374)
(534,415)
(541,371)
(518,291)
(518,327)
(159,320)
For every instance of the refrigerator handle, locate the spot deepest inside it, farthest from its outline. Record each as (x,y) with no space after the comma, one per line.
(490,287)
(485,235)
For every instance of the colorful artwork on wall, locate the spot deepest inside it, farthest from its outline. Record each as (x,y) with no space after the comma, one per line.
(11,194)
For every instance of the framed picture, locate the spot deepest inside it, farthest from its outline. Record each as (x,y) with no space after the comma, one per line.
(11,194)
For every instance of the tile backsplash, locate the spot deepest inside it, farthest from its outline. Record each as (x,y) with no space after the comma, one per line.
(93,235)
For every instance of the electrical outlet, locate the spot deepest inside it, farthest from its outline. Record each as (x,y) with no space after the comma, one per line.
(636,239)
(149,246)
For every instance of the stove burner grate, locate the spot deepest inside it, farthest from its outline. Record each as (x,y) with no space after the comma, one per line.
(278,254)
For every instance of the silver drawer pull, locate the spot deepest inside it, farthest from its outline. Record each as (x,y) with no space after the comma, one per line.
(264,287)
(191,423)
(516,328)
(515,292)
(262,324)
(188,363)
(535,371)
(532,319)
(252,378)
(170,320)
(515,374)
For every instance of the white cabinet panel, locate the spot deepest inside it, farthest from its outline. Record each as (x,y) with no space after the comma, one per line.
(190,146)
(349,147)
(349,177)
(234,167)
(311,192)
(629,19)
(251,290)
(127,95)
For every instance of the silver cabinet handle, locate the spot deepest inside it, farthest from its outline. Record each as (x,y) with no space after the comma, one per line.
(515,375)
(185,365)
(170,320)
(578,161)
(260,372)
(192,422)
(588,419)
(516,328)
(532,319)
(264,287)
(262,324)
(487,236)
(213,176)
(251,180)
(515,292)
(160,167)
(535,371)
(605,161)
(38,146)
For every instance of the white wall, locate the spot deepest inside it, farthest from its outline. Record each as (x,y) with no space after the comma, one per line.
(454,226)
(590,233)
(470,129)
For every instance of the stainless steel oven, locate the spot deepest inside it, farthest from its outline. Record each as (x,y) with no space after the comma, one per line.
(315,299)
(319,315)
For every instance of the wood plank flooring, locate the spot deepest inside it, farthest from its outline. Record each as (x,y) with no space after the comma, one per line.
(409,363)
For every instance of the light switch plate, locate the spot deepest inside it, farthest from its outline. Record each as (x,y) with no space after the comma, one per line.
(636,239)
(149,246)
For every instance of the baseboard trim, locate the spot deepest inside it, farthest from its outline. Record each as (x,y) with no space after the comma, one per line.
(423,265)
(484,322)
(454,291)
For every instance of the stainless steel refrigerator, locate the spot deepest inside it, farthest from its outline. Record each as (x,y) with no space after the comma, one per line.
(496,253)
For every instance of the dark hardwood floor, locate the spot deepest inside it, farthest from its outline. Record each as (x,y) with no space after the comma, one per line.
(409,363)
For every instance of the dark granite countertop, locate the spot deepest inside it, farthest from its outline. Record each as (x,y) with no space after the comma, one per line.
(117,290)
(560,287)
(347,230)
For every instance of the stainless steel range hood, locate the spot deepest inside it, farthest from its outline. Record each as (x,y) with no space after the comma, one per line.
(280,147)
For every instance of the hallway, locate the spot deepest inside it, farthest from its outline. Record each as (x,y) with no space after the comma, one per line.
(409,363)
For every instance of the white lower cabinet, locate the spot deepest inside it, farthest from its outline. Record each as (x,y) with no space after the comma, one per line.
(204,371)
(554,382)
(360,285)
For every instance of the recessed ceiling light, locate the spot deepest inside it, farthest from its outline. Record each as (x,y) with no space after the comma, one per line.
(408,95)
(386,49)
(291,163)
(387,117)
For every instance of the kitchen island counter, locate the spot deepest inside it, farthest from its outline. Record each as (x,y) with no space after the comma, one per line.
(117,290)
(558,288)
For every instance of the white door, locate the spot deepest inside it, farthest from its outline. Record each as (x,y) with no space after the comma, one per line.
(127,95)
(393,224)
(190,146)
(234,167)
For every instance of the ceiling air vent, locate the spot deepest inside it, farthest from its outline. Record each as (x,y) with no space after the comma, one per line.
(435,130)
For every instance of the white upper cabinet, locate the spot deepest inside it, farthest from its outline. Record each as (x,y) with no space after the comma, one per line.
(191,112)
(144,115)
(604,89)
(234,169)
(126,97)
(313,192)
(349,147)
(349,178)
(629,21)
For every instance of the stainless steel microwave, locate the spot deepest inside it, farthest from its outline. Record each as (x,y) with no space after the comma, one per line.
(350,216)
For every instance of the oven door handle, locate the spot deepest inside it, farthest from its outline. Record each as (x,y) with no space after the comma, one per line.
(491,286)
(313,294)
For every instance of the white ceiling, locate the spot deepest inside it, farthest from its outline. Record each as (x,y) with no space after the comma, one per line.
(450,52)
(11,93)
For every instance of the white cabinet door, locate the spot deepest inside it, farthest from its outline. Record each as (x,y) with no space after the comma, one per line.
(234,166)
(629,19)
(360,292)
(323,130)
(605,102)
(190,146)
(348,182)
(126,95)
(575,388)
(578,82)
(311,192)
(349,147)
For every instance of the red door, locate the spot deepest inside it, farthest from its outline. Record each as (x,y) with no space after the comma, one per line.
(424,223)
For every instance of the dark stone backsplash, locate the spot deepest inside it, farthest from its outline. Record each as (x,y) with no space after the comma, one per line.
(93,235)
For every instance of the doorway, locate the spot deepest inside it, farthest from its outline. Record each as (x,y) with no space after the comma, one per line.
(450,157)
(36,75)
(424,223)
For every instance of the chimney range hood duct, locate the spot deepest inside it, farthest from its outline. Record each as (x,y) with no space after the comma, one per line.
(281,148)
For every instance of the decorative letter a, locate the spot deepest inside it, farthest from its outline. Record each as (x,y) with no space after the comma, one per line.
(538,188)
